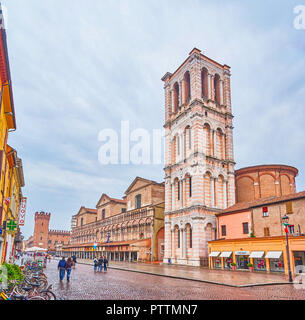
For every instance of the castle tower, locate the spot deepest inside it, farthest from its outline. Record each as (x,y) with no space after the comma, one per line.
(41,229)
(199,160)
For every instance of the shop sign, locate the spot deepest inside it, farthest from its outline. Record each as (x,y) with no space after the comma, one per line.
(242,253)
(22,211)
(11,226)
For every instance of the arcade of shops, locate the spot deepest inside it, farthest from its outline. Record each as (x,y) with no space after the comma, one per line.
(267,254)
(136,250)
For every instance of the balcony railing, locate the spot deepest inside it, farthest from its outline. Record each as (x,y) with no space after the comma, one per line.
(123,217)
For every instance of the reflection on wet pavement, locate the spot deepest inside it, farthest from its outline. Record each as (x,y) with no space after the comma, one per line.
(85,284)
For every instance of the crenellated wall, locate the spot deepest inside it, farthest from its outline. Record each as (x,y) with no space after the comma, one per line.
(45,238)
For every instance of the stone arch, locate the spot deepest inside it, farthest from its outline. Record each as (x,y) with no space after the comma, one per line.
(188,141)
(267,185)
(217,88)
(189,237)
(209,231)
(285,182)
(204,82)
(177,192)
(176,97)
(245,189)
(174,149)
(177,244)
(220,192)
(207,189)
(207,139)
(187,86)
(220,143)
(188,188)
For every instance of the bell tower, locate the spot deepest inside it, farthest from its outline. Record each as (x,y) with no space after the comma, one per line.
(41,229)
(199,160)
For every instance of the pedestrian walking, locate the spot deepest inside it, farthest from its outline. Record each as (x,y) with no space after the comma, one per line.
(68,268)
(95,261)
(62,268)
(105,264)
(100,264)
(74,261)
(45,262)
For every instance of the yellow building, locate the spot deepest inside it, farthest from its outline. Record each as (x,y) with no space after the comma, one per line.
(266,254)
(12,199)
(11,175)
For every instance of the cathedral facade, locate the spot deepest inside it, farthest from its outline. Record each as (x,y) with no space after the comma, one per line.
(199,160)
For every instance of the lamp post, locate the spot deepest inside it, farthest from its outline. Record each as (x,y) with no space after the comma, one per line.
(285,221)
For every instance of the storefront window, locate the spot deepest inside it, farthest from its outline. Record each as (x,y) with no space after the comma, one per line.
(259,264)
(299,260)
(242,262)
(277,265)
(217,263)
(227,263)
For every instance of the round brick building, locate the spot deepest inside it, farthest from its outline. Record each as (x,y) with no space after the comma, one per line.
(264,181)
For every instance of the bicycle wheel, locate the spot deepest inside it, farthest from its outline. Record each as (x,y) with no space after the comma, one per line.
(50,295)
(37,298)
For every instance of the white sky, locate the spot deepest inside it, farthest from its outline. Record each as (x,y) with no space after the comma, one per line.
(79,67)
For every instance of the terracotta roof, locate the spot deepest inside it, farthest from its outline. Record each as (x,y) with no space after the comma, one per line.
(118,200)
(260,202)
(86,210)
(266,167)
(110,199)
(142,179)
(91,210)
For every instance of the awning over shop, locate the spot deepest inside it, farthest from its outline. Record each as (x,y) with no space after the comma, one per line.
(214,254)
(273,254)
(242,253)
(226,254)
(257,254)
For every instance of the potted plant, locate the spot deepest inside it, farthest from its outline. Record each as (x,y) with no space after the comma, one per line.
(233,265)
(250,266)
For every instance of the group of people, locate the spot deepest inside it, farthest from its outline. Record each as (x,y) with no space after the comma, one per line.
(100,264)
(66,266)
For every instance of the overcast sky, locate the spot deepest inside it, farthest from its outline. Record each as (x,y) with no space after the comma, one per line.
(82,66)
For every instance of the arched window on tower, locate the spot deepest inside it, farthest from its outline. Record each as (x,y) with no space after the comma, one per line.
(217,88)
(187,86)
(176,97)
(207,139)
(204,83)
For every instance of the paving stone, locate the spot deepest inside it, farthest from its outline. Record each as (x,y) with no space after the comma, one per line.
(115,284)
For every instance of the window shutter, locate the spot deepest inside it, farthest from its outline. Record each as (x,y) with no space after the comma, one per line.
(289,207)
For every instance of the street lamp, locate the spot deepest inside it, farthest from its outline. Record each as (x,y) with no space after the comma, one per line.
(285,221)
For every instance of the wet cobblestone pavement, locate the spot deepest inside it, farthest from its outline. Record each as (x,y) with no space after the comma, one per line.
(232,278)
(125,285)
